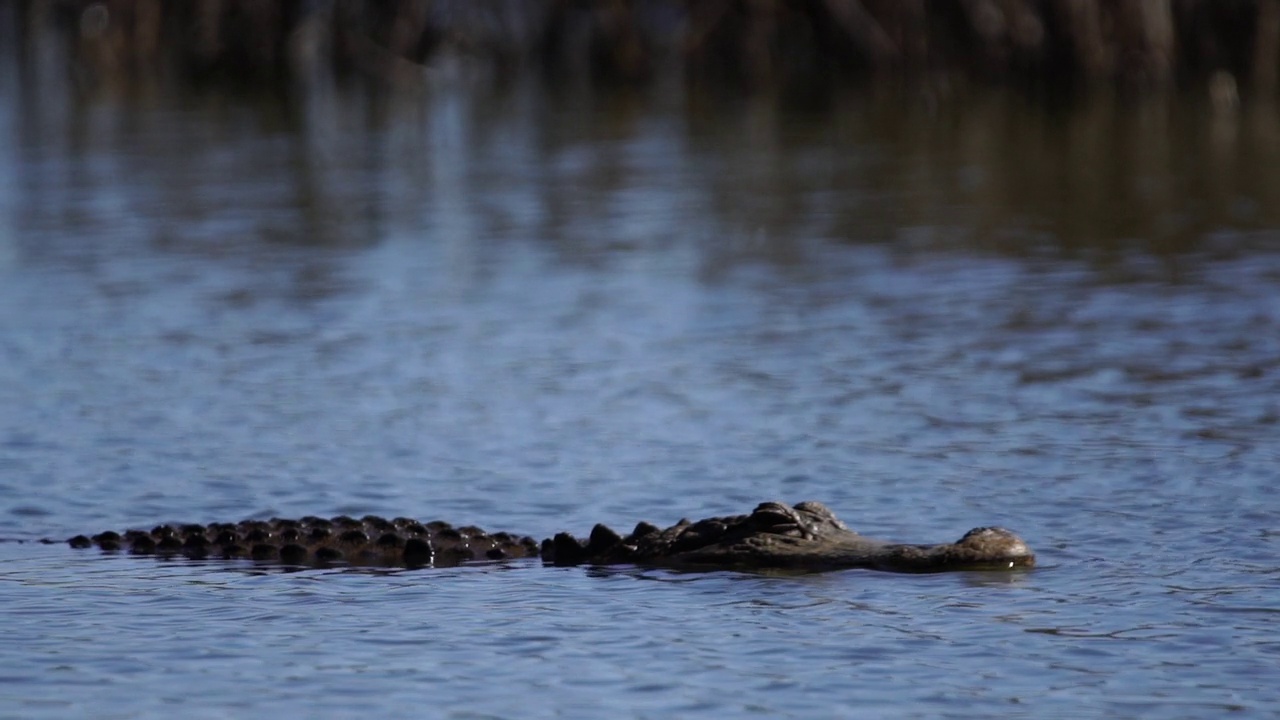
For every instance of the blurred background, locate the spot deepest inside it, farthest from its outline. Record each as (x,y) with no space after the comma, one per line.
(1082,125)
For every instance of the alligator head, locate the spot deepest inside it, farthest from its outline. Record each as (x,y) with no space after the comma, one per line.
(807,537)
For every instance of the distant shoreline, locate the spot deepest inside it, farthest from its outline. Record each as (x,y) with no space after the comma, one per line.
(802,45)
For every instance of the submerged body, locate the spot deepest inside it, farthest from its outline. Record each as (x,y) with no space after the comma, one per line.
(370,541)
(807,537)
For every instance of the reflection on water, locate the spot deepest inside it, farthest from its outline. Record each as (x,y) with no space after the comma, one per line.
(536,312)
(341,167)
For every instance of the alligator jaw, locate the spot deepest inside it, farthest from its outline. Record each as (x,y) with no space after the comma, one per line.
(856,551)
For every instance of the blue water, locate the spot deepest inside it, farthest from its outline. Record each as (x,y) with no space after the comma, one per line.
(535,316)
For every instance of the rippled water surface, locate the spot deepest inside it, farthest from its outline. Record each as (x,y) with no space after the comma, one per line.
(536,314)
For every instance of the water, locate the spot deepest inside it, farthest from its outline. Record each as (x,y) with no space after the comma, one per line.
(535,314)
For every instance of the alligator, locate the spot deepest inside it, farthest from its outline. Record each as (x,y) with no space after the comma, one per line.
(806,537)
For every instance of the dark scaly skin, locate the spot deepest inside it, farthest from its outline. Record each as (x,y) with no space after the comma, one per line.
(805,538)
(370,541)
